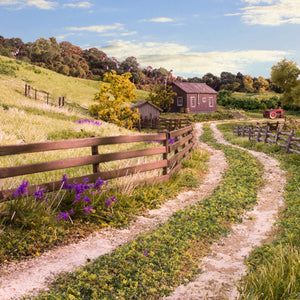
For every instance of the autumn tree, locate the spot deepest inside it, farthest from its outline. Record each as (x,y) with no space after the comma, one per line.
(162,96)
(248,84)
(286,74)
(114,99)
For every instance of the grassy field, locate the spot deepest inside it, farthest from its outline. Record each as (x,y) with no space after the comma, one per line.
(274,268)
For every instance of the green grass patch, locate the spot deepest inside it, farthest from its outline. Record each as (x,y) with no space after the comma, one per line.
(150,266)
(274,268)
(28,226)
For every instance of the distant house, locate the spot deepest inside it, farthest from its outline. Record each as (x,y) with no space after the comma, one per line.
(147,110)
(193,98)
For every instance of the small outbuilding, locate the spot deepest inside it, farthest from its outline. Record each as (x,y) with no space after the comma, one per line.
(193,98)
(149,114)
(147,110)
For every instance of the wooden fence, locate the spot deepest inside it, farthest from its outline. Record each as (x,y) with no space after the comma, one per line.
(43,96)
(162,123)
(172,146)
(286,140)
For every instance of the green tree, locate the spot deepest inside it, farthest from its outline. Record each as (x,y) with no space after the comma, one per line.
(285,74)
(114,99)
(162,96)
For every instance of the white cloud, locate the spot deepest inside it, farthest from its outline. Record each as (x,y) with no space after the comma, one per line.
(270,12)
(98,28)
(84,4)
(183,61)
(41,4)
(161,20)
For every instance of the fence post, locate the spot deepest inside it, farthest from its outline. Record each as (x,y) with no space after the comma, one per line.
(267,132)
(47,98)
(25,89)
(165,155)
(258,134)
(35,94)
(243,132)
(289,140)
(250,132)
(28,90)
(95,152)
(59,101)
(63,101)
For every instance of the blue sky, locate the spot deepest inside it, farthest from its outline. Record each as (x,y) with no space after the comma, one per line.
(191,37)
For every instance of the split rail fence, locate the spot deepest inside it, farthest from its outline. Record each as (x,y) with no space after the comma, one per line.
(171,146)
(43,96)
(286,140)
(162,123)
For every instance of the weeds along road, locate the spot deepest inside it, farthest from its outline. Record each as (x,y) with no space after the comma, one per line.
(224,267)
(26,278)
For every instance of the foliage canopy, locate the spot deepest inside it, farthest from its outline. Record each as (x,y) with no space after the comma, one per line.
(286,74)
(114,99)
(162,96)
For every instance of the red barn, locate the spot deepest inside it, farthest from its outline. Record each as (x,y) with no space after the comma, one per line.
(193,98)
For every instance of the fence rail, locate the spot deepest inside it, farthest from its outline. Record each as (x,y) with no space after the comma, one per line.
(172,146)
(266,135)
(31,92)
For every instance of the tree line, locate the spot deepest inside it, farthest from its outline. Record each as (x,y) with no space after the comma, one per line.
(71,60)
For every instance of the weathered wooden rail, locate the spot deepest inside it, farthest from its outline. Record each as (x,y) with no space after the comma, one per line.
(162,123)
(32,92)
(172,146)
(286,140)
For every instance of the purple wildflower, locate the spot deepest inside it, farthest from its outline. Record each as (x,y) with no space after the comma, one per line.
(64,182)
(47,198)
(87,209)
(86,120)
(63,215)
(109,201)
(39,195)
(22,189)
(98,183)
(171,141)
(145,253)
(71,212)
(86,199)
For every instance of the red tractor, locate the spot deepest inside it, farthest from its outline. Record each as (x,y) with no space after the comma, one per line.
(273,113)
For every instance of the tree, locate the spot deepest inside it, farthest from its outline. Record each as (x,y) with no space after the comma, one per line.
(248,84)
(114,99)
(285,74)
(162,96)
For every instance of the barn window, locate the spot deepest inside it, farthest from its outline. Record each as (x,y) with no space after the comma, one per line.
(179,101)
(210,102)
(193,101)
(203,99)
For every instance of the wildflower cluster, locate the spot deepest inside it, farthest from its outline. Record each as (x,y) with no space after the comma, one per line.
(79,189)
(22,189)
(86,120)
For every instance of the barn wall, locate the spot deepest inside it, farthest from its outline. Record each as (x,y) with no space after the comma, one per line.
(180,93)
(203,103)
(148,111)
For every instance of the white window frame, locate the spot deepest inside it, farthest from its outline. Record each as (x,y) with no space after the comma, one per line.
(198,99)
(203,99)
(210,102)
(179,101)
(193,101)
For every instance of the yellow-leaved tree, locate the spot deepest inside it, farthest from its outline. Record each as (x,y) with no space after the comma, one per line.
(114,100)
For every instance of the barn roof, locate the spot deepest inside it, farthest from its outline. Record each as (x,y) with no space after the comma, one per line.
(195,87)
(144,102)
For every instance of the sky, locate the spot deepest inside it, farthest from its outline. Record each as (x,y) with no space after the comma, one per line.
(191,37)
